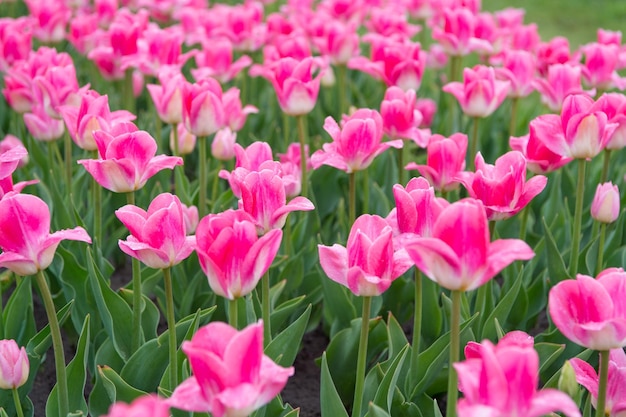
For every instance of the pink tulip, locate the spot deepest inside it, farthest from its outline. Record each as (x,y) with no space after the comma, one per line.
(157,49)
(242,24)
(427,109)
(600,67)
(294,45)
(539,159)
(580,132)
(401,117)
(43,127)
(416,209)
(295,83)
(519,70)
(158,236)
(14,366)
(395,62)
(355,144)
(203,111)
(223,145)
(591,312)
(502,187)
(12,153)
(167,96)
(93,114)
(15,41)
(525,37)
(264,198)
(614,106)
(445,159)
(605,204)
(616,385)
(231,375)
(555,51)
(502,380)
(25,237)
(50,19)
(338,41)
(215,60)
(390,21)
(83,32)
(190,216)
(561,80)
(186,140)
(368,264)
(127,160)
(57,87)
(457,36)
(146,405)
(480,93)
(460,255)
(234,113)
(250,159)
(232,255)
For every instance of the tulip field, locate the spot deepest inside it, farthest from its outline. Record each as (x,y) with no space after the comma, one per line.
(189,191)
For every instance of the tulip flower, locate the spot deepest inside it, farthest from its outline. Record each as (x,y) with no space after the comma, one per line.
(600,66)
(614,106)
(43,127)
(146,405)
(591,312)
(127,160)
(445,159)
(167,95)
(49,19)
(215,60)
(368,264)
(15,41)
(158,236)
(401,117)
(480,93)
(232,255)
(186,140)
(14,366)
(605,205)
(519,69)
(502,187)
(25,236)
(616,390)
(234,114)
(457,36)
(501,380)
(203,111)
(539,159)
(231,375)
(555,51)
(12,153)
(560,81)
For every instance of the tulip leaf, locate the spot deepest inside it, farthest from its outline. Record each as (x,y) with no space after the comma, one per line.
(375,411)
(39,344)
(501,311)
(548,353)
(337,304)
(330,401)
(396,336)
(150,314)
(284,311)
(117,317)
(110,388)
(76,376)
(18,317)
(556,266)
(384,395)
(285,346)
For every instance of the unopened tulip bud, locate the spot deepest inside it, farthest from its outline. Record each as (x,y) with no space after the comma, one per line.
(14,365)
(567,380)
(605,205)
(186,140)
(223,145)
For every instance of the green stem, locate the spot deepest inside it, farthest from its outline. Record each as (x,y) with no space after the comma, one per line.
(578,216)
(97,213)
(514,103)
(603,375)
(601,248)
(286,138)
(473,144)
(361,358)
(342,72)
(492,228)
(67,148)
(202,176)
(136,338)
(417,327)
(287,240)
(351,198)
(129,98)
(18,404)
(266,308)
(175,133)
(303,140)
(57,343)
(605,166)
(400,155)
(366,191)
(216,184)
(455,330)
(171,326)
(523,222)
(232,313)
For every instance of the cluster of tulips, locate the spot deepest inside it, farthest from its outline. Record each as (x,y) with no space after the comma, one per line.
(386,151)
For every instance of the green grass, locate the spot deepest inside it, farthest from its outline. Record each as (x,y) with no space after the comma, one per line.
(578,20)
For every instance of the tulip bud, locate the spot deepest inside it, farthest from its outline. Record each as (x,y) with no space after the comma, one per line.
(605,205)
(13,365)
(567,380)
(223,145)
(186,140)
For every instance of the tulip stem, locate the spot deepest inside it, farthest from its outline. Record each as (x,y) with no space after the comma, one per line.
(417,327)
(601,248)
(361,358)
(18,404)
(514,103)
(216,183)
(171,325)
(286,129)
(578,216)
(303,140)
(366,191)
(97,213)
(455,330)
(473,143)
(233,313)
(67,148)
(202,176)
(265,302)
(128,94)
(400,154)
(602,383)
(342,72)
(605,166)
(175,133)
(57,343)
(136,339)
(351,198)
(523,222)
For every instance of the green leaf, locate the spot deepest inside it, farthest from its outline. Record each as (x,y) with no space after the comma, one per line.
(331,405)
(548,353)
(18,317)
(397,338)
(337,304)
(284,311)
(376,411)
(76,376)
(39,344)
(501,311)
(110,388)
(556,264)
(284,347)
(384,395)
(117,317)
